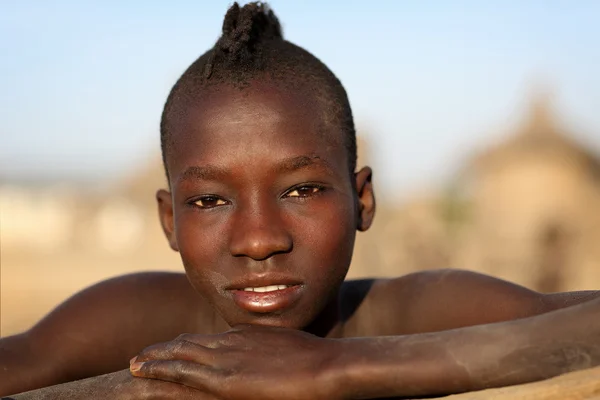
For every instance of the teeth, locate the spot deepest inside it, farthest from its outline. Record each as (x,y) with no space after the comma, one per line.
(263,289)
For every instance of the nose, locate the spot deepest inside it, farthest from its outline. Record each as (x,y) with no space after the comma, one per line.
(259,233)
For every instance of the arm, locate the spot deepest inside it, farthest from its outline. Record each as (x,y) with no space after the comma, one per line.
(437,345)
(275,363)
(117,386)
(438,300)
(98,330)
(475,357)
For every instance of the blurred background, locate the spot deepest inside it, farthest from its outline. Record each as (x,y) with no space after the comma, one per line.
(480,120)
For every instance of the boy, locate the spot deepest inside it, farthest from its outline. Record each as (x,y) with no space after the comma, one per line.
(259,148)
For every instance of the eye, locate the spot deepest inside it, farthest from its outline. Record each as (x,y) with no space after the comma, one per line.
(209,202)
(304,191)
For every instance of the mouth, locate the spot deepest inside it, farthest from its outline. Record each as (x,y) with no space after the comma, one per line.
(266,289)
(266,298)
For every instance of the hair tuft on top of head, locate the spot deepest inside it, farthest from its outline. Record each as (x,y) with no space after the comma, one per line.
(244,30)
(251,23)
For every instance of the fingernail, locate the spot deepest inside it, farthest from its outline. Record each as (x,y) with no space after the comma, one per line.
(136,366)
(132,360)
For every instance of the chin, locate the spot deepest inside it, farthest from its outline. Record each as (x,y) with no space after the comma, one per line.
(275,320)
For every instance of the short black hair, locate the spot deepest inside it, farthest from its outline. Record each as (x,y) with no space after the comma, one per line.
(252,43)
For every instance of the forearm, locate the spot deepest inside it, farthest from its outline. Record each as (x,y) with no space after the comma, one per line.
(100,387)
(20,366)
(477,357)
(532,349)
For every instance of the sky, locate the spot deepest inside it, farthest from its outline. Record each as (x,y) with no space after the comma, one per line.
(430,82)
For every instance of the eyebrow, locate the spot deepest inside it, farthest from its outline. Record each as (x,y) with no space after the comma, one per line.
(213,172)
(295,163)
(206,172)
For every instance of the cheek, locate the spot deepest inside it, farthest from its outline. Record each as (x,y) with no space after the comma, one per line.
(200,242)
(329,235)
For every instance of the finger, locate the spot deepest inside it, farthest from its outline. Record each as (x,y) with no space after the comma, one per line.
(209,341)
(152,389)
(182,372)
(229,338)
(176,350)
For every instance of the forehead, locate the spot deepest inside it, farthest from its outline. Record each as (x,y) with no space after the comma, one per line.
(259,105)
(225,118)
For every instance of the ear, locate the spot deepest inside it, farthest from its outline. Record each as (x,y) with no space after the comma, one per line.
(165,213)
(366,198)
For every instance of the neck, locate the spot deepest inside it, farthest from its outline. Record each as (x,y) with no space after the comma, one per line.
(328,323)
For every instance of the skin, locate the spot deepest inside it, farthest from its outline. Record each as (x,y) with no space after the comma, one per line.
(279,201)
(261,191)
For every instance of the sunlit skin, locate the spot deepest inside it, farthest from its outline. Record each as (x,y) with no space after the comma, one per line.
(261,196)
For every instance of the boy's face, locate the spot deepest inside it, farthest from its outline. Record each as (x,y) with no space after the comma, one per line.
(263,207)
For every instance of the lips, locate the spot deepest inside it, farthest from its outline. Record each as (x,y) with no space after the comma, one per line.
(266,294)
(263,289)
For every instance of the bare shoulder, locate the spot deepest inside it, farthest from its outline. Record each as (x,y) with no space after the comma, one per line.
(100,328)
(131,302)
(436,300)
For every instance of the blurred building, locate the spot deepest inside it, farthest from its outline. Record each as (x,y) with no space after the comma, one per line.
(526,210)
(535,205)
(57,239)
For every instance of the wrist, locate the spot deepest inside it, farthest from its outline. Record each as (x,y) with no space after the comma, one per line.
(415,365)
(359,369)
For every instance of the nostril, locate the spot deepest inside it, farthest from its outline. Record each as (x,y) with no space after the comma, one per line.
(261,252)
(261,245)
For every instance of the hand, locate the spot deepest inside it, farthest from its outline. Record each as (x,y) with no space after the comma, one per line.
(248,362)
(129,387)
